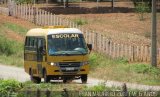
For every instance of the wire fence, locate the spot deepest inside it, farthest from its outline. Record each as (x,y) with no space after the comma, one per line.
(101,44)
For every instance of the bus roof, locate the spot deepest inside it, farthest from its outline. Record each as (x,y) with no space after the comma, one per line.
(50,31)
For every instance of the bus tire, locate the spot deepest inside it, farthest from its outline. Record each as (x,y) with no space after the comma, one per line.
(34,79)
(46,78)
(84,78)
(64,80)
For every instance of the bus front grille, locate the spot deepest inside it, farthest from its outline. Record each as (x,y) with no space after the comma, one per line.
(69,64)
(69,67)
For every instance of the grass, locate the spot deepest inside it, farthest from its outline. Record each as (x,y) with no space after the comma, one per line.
(11,51)
(13,87)
(121,70)
(16,28)
(80,21)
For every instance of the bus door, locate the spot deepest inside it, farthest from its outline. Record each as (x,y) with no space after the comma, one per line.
(40,53)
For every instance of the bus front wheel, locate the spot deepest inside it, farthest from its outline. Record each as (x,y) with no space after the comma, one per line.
(46,78)
(84,78)
(34,79)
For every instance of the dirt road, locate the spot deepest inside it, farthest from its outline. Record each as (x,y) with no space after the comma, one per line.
(10,72)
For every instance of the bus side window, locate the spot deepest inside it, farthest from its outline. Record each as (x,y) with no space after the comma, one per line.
(41,45)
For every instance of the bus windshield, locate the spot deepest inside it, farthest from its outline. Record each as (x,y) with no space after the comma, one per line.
(66,44)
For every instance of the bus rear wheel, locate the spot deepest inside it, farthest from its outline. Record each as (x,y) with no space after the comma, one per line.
(84,78)
(46,78)
(34,79)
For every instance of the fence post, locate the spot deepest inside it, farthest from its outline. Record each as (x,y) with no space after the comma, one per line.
(54,20)
(38,94)
(16,10)
(27,92)
(125,91)
(110,50)
(107,47)
(29,12)
(130,53)
(96,41)
(104,42)
(48,19)
(34,15)
(65,93)
(158,55)
(137,53)
(48,93)
(117,55)
(26,11)
(45,17)
(122,50)
(87,36)
(40,17)
(145,53)
(37,16)
(51,19)
(114,50)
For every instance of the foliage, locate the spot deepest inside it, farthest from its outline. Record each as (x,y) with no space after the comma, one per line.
(7,47)
(142,8)
(80,21)
(99,87)
(149,2)
(121,70)
(147,34)
(9,86)
(24,1)
(11,51)
(143,68)
(16,28)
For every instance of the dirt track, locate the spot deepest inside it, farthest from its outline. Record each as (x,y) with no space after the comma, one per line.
(10,72)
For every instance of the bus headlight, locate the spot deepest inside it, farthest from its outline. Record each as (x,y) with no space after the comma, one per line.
(52,63)
(84,63)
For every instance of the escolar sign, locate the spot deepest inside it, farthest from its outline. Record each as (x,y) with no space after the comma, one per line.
(65,36)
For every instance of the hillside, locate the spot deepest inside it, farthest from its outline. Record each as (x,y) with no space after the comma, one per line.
(122,26)
(11,39)
(11,53)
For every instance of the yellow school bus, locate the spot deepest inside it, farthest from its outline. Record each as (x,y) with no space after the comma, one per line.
(56,53)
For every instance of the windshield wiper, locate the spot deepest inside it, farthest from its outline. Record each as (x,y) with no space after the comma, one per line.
(53,54)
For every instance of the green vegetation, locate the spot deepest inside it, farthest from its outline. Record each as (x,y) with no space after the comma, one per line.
(121,70)
(13,87)
(80,21)
(11,51)
(16,28)
(8,86)
(141,9)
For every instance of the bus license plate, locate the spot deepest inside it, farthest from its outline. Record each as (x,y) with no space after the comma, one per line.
(70,69)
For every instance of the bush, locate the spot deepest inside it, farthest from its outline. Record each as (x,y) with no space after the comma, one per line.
(142,68)
(80,21)
(7,47)
(16,28)
(147,34)
(142,8)
(9,86)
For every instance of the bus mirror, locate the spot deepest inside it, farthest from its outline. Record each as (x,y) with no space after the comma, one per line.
(89,46)
(44,52)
